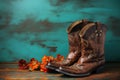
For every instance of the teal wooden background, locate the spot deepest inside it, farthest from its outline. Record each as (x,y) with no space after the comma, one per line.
(34,28)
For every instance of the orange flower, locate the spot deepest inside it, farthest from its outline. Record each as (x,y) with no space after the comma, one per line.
(43,68)
(59,58)
(34,64)
(44,62)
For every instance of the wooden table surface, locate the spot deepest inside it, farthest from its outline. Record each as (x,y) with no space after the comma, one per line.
(11,72)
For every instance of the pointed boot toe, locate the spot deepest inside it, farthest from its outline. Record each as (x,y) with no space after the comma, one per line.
(92,57)
(74,45)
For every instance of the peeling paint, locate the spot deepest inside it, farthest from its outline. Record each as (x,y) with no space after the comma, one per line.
(114,25)
(30,25)
(8,51)
(41,43)
(5,22)
(58,2)
(37,28)
(52,49)
(84,4)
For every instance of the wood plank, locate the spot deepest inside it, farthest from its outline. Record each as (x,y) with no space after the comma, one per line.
(11,72)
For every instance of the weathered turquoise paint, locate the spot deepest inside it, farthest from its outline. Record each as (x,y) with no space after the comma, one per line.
(34,28)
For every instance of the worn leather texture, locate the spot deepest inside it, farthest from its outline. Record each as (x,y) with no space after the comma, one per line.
(92,38)
(74,44)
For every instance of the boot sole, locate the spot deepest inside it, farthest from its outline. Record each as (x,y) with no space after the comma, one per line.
(98,70)
(51,67)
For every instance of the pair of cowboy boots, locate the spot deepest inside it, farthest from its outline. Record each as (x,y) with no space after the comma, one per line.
(86,55)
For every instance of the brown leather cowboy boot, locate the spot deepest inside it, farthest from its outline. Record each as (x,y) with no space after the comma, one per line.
(92,51)
(74,48)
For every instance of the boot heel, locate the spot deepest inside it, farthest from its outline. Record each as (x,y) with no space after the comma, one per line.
(99,69)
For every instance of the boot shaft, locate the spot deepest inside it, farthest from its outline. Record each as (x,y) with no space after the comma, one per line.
(73,34)
(74,40)
(92,42)
(92,38)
